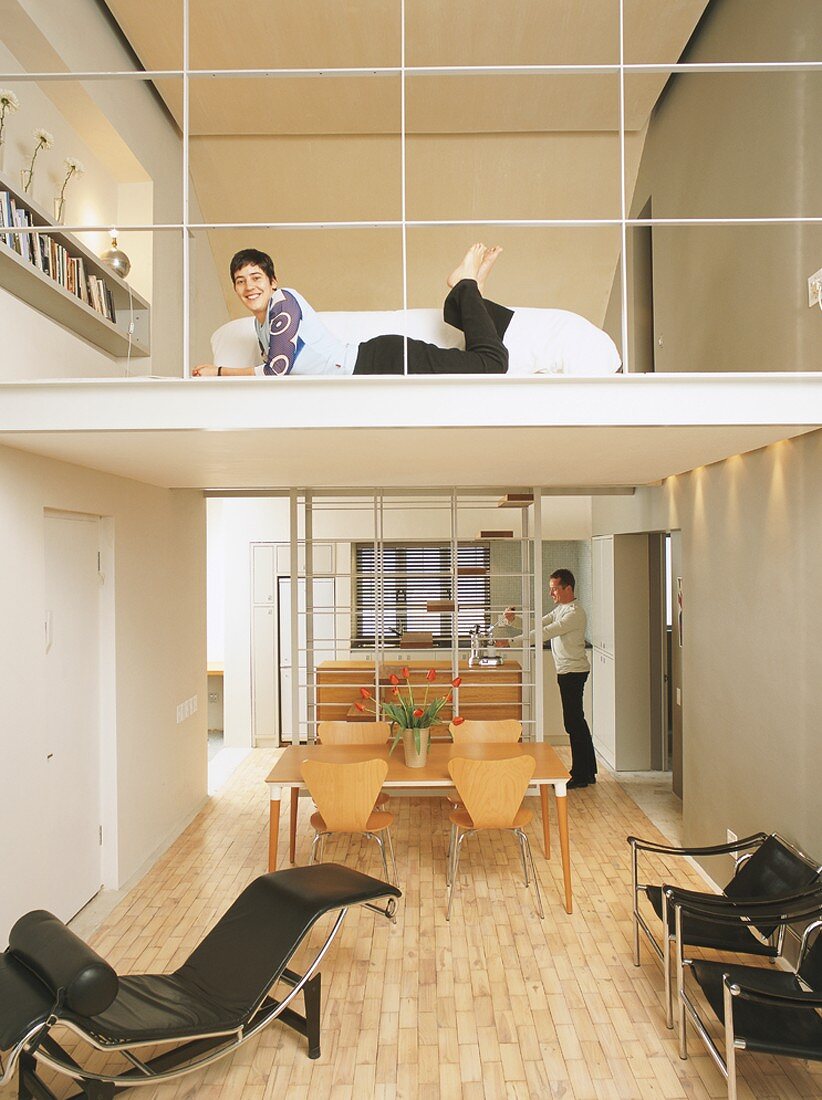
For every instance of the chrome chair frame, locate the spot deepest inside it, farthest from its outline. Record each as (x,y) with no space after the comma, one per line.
(742,851)
(732,990)
(457,836)
(319,843)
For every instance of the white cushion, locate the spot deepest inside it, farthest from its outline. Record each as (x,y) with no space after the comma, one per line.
(539,341)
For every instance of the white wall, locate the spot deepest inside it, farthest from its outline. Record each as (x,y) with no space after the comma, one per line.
(159,659)
(752,664)
(234,524)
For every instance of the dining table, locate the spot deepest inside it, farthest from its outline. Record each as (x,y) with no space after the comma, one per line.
(549,771)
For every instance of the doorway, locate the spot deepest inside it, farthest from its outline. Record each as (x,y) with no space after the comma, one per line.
(667,637)
(70,812)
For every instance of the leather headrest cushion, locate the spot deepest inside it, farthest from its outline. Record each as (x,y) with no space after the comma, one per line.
(63,961)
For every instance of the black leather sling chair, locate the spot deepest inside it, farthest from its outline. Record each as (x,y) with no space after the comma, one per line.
(761,1009)
(767,868)
(218,999)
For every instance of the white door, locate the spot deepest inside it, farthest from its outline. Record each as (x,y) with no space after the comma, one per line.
(71,853)
(324,649)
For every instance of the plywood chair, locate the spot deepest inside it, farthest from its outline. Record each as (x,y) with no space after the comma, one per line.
(356,733)
(492,791)
(344,795)
(475,731)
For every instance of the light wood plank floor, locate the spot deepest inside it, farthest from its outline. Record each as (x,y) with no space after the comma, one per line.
(494,1004)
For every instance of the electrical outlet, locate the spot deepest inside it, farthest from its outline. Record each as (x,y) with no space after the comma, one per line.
(732,837)
(815,288)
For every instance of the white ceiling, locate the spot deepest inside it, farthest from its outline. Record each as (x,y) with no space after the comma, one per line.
(401,457)
(316,433)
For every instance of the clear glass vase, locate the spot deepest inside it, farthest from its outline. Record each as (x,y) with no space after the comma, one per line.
(59,210)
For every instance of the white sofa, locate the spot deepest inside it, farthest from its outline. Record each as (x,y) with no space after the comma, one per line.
(539,341)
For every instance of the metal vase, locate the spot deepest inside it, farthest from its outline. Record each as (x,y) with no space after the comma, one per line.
(414,759)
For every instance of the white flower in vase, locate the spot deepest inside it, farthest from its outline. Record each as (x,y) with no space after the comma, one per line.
(73,167)
(44,140)
(8,103)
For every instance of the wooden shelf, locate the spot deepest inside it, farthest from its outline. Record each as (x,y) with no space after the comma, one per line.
(26,281)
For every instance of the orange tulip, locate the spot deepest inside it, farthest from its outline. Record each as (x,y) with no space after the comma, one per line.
(405,673)
(366,694)
(418,713)
(455,683)
(395,692)
(457,721)
(431,675)
(360,707)
(394,679)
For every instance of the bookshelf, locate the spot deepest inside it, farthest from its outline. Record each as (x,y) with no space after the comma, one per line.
(24,278)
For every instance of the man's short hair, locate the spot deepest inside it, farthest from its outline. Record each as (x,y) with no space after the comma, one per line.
(248,256)
(565,577)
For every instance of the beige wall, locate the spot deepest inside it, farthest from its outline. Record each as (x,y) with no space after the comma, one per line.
(159,660)
(734,298)
(752,672)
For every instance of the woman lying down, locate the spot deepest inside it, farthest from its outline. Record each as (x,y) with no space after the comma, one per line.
(292,338)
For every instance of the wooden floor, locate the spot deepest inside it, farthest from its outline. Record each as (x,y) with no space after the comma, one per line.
(494,1004)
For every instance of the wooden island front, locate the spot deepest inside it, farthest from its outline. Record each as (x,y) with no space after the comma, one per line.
(484,693)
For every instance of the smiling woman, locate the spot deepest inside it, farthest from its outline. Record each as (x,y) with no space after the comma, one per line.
(292,338)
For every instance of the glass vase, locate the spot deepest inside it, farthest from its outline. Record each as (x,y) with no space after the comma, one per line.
(59,210)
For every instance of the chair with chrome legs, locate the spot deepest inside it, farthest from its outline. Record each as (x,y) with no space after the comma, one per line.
(761,1009)
(52,984)
(345,795)
(356,733)
(767,868)
(492,792)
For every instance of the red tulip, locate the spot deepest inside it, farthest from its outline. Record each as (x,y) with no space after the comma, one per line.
(395,692)
(455,683)
(418,713)
(405,673)
(366,694)
(431,675)
(394,679)
(457,721)
(360,707)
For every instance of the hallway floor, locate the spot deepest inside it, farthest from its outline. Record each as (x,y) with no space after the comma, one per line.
(494,1004)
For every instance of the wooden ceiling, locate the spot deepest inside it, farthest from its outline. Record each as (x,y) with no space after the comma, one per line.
(314,34)
(483,147)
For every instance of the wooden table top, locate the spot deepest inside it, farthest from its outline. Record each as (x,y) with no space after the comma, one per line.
(286,772)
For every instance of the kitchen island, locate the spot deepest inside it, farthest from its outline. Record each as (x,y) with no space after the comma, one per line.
(485,693)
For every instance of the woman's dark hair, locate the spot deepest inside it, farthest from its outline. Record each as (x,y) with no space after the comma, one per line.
(248,256)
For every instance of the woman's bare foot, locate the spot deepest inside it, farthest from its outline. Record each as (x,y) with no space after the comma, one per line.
(470,266)
(489,258)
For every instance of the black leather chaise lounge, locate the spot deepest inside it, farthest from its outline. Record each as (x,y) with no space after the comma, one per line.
(218,999)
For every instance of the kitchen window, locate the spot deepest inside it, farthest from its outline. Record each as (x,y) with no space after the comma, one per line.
(403,579)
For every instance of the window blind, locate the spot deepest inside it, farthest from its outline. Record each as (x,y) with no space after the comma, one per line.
(406,577)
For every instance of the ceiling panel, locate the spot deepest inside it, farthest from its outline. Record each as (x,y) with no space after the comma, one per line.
(313,458)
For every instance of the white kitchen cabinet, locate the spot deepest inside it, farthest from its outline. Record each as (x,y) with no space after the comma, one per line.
(604,713)
(621,637)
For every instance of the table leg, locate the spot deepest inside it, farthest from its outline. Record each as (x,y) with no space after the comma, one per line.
(273,827)
(562,822)
(292,837)
(546,824)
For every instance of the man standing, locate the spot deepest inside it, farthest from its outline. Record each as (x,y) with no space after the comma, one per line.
(565,626)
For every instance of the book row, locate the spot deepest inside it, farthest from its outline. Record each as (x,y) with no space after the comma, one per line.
(52,258)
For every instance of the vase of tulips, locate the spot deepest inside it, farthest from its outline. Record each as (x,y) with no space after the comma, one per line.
(411,718)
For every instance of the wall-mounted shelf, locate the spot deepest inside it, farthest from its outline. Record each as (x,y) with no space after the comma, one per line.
(25,279)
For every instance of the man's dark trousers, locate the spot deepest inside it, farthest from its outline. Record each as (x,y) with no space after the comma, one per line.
(583,758)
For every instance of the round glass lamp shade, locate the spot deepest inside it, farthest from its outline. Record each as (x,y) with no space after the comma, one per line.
(116,259)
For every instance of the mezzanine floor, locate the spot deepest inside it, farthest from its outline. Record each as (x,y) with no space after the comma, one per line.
(495,1004)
